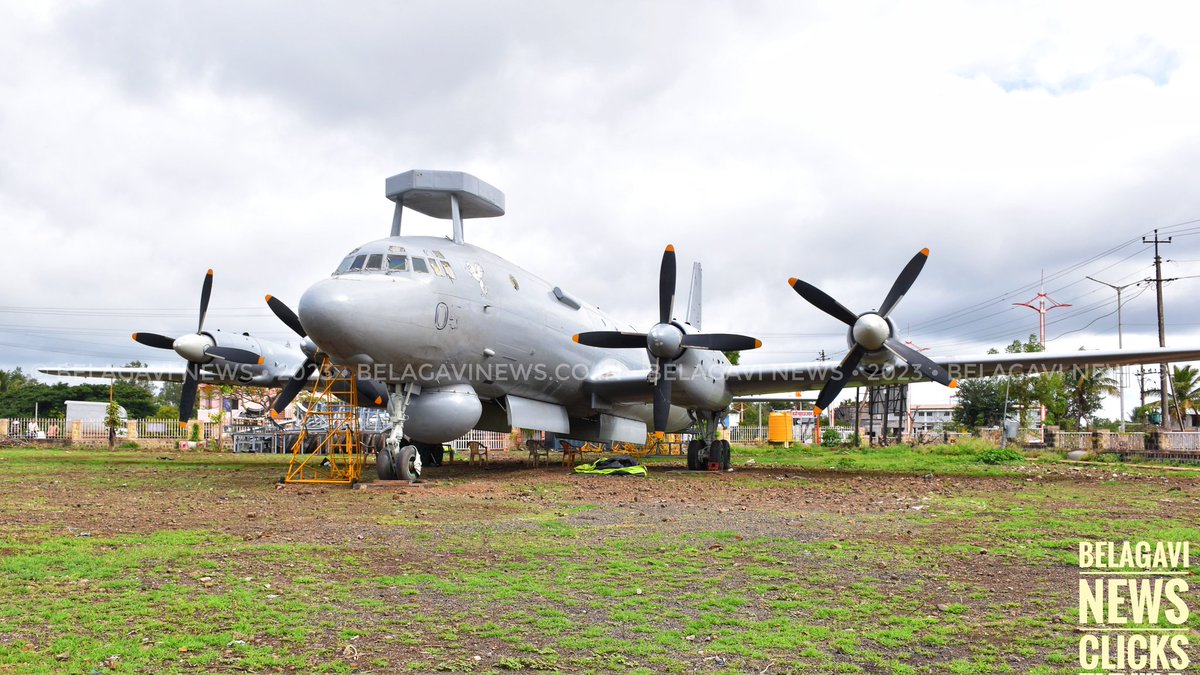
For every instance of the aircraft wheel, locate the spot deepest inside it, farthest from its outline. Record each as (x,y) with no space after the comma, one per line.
(723,455)
(385,468)
(409,464)
(693,455)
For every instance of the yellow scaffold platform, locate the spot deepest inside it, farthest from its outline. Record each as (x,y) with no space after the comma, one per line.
(329,431)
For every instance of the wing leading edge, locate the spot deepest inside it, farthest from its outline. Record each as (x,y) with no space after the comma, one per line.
(772,378)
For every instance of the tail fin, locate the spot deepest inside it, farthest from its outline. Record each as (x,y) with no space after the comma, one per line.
(693,315)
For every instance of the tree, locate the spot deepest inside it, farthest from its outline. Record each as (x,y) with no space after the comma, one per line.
(1185,383)
(1086,389)
(980,402)
(13,379)
(733,357)
(112,420)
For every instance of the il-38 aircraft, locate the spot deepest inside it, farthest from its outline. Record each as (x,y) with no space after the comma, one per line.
(450,337)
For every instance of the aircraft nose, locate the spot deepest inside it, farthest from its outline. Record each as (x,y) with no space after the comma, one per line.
(327,312)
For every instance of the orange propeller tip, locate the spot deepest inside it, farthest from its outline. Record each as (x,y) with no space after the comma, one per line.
(182,425)
(135,337)
(671,248)
(268,297)
(925,251)
(792,281)
(816,410)
(575,338)
(953,384)
(757,344)
(378,400)
(210,271)
(659,435)
(261,360)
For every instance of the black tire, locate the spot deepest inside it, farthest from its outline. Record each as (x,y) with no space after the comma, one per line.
(724,454)
(385,468)
(431,453)
(408,465)
(693,455)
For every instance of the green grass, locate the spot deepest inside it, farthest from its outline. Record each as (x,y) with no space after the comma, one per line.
(517,572)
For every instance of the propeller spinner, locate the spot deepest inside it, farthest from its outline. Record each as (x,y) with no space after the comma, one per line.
(665,341)
(872,331)
(197,349)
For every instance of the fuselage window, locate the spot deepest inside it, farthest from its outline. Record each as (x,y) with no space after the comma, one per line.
(397,263)
(358,263)
(449,269)
(436,266)
(345,265)
(374,262)
(419,265)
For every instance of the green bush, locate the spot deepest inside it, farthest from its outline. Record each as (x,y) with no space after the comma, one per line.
(129,445)
(831,438)
(1000,456)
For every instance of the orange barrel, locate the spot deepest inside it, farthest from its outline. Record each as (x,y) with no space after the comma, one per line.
(779,428)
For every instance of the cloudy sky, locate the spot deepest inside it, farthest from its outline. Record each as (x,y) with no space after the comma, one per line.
(144,142)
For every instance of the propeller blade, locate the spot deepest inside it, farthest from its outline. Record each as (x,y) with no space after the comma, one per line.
(235,355)
(205,294)
(154,340)
(662,399)
(837,380)
(722,342)
(611,339)
(294,386)
(187,398)
(286,315)
(923,365)
(903,282)
(370,392)
(666,285)
(822,301)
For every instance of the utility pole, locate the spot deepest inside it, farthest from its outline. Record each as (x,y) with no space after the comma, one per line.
(1120,342)
(1041,308)
(1162,329)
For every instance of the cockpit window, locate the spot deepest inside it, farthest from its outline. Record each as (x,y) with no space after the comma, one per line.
(419,265)
(374,262)
(397,263)
(449,269)
(436,266)
(358,263)
(345,265)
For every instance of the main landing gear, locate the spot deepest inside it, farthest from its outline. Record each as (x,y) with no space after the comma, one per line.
(706,453)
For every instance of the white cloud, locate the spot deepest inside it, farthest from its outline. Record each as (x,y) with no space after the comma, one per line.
(147,141)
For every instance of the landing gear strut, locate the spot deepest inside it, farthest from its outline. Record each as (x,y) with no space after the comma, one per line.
(706,453)
(398,460)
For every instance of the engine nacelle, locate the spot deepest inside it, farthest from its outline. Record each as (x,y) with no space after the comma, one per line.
(442,414)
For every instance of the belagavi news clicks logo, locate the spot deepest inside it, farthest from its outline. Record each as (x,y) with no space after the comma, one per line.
(1133,609)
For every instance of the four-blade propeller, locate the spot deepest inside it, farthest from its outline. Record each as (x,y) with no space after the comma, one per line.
(871,331)
(197,349)
(368,390)
(665,341)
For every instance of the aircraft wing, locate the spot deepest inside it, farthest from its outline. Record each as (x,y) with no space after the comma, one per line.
(771,378)
(123,374)
(260,379)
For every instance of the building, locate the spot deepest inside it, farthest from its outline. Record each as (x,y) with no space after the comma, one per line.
(929,418)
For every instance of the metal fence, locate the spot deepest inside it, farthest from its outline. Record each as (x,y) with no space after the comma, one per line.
(1073,440)
(1179,440)
(746,435)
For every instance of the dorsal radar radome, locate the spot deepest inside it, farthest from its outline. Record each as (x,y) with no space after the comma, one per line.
(451,195)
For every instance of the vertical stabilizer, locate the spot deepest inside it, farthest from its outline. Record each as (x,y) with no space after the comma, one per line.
(693,315)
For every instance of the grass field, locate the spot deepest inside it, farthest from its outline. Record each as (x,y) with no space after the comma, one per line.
(815,561)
